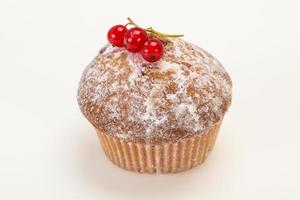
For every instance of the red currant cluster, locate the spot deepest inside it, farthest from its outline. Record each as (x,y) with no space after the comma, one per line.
(136,40)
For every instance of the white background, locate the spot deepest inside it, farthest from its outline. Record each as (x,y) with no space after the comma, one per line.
(49,151)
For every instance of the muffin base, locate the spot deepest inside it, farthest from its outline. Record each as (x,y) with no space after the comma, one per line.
(161,158)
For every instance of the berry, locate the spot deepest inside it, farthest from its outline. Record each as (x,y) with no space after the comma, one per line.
(134,39)
(116,34)
(152,50)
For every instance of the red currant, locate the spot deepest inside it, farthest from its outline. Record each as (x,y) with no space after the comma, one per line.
(116,34)
(152,50)
(134,39)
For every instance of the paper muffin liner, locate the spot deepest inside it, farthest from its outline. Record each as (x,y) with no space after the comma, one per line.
(161,158)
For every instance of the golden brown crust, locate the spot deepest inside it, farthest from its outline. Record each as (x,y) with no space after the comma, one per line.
(181,95)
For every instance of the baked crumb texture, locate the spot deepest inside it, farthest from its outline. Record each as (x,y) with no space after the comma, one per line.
(183,94)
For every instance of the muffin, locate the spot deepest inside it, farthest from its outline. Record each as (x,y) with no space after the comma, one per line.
(160,117)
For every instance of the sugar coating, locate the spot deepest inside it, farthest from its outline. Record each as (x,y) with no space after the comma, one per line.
(183,94)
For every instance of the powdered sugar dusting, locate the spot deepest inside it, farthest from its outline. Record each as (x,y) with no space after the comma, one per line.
(183,94)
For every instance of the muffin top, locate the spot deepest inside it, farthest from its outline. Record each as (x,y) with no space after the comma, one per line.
(183,94)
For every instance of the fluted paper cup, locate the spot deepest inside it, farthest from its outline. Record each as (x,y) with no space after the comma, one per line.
(159,158)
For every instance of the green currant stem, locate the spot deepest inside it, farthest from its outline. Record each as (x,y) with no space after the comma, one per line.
(152,30)
(131,22)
